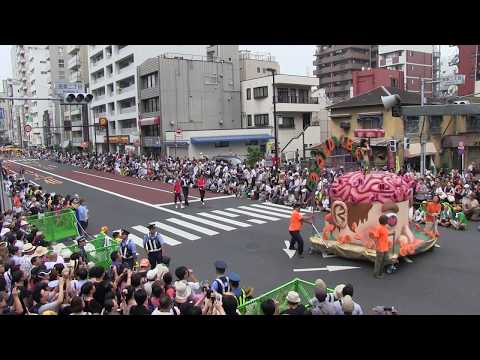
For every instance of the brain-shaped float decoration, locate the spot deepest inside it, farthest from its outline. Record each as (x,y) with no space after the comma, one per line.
(358,200)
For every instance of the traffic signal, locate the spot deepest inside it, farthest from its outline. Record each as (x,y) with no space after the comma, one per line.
(392,145)
(406,143)
(397,111)
(78,98)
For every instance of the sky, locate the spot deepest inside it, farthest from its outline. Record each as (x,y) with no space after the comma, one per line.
(293,59)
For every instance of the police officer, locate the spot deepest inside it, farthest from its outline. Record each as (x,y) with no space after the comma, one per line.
(221,284)
(235,288)
(153,242)
(128,250)
(185,187)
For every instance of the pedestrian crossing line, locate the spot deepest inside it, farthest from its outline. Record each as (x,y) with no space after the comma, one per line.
(284,211)
(284,207)
(168,240)
(193,226)
(220,212)
(256,221)
(249,213)
(176,231)
(137,240)
(208,222)
(264,212)
(228,221)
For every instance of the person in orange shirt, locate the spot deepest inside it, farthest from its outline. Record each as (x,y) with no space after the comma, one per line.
(433,211)
(380,235)
(296,222)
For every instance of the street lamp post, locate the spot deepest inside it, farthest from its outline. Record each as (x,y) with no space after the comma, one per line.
(275,129)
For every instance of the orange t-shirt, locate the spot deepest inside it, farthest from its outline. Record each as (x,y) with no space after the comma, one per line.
(381,233)
(295,221)
(432,208)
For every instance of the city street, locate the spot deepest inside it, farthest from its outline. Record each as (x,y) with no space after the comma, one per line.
(250,237)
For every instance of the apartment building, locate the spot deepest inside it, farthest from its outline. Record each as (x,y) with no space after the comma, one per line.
(36,70)
(6,129)
(335,63)
(77,66)
(367,80)
(113,83)
(415,61)
(294,106)
(469,65)
(253,64)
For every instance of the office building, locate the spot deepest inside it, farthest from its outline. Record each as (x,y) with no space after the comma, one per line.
(469,65)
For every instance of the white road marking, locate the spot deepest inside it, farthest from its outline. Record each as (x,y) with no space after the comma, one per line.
(188,225)
(287,250)
(137,240)
(328,268)
(197,200)
(256,221)
(208,222)
(273,209)
(176,231)
(168,240)
(264,212)
(284,207)
(249,213)
(34,183)
(228,221)
(128,183)
(225,213)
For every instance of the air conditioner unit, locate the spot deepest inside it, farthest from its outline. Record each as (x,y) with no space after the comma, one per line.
(461,102)
(221,122)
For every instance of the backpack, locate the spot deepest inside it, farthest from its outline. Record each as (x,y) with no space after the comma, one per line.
(223,284)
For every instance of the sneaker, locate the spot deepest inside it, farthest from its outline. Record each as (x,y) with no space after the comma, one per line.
(408,260)
(437,245)
(181,206)
(379,276)
(176,206)
(203,203)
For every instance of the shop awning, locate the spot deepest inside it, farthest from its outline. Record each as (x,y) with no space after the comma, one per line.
(415,149)
(231,138)
(149,121)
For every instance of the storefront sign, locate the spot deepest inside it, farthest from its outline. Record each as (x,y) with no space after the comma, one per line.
(119,139)
(369,133)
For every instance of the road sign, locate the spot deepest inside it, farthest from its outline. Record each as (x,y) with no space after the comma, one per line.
(27,128)
(457,79)
(63,88)
(461,148)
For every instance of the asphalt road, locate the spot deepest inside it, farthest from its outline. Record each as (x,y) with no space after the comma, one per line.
(443,281)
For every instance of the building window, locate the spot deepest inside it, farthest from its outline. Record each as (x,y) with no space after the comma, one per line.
(61,63)
(249,94)
(370,122)
(149,81)
(260,92)
(264,70)
(435,124)
(261,120)
(150,105)
(222,144)
(258,70)
(412,124)
(473,123)
(394,83)
(287,123)
(249,120)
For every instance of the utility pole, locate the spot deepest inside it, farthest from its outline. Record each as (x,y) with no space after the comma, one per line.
(422,142)
(275,130)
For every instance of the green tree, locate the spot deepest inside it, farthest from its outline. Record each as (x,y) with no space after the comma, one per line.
(254,154)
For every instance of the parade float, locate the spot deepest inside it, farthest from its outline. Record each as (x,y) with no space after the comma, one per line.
(357,201)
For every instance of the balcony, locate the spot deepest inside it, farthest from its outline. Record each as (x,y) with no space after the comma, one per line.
(97,63)
(77,124)
(151,141)
(99,97)
(72,49)
(127,110)
(126,89)
(75,77)
(98,79)
(128,131)
(126,69)
(74,62)
(295,100)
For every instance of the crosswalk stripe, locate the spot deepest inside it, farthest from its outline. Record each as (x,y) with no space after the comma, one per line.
(168,240)
(228,221)
(137,240)
(284,207)
(208,222)
(256,221)
(248,213)
(284,211)
(193,226)
(264,212)
(225,213)
(176,231)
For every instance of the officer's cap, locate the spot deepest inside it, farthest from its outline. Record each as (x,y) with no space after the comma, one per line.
(220,265)
(234,277)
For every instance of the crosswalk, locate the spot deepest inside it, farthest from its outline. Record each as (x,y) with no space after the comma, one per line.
(187,227)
